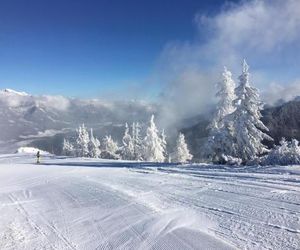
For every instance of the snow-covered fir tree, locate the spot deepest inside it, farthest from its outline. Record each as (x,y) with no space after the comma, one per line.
(94,146)
(68,148)
(153,144)
(220,140)
(181,153)
(226,97)
(164,143)
(247,127)
(127,151)
(137,141)
(82,142)
(109,148)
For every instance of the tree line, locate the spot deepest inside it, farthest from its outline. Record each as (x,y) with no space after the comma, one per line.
(148,146)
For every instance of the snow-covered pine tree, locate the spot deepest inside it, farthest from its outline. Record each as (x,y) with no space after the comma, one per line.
(164,143)
(247,127)
(109,148)
(181,153)
(82,142)
(153,145)
(226,97)
(94,146)
(295,149)
(137,141)
(127,151)
(68,148)
(220,138)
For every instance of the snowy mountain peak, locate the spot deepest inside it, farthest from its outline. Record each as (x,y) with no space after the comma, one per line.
(11,91)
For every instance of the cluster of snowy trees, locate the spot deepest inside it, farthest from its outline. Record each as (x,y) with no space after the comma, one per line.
(85,145)
(150,147)
(236,131)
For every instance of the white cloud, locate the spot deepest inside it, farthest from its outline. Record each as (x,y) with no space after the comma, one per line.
(281,92)
(186,95)
(56,102)
(259,30)
(15,99)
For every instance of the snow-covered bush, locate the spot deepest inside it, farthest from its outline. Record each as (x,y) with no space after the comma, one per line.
(109,148)
(109,155)
(229,160)
(181,153)
(287,153)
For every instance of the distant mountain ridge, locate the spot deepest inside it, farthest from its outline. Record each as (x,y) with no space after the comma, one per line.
(283,120)
(28,119)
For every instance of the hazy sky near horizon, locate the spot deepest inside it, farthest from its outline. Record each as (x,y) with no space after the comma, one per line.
(96,48)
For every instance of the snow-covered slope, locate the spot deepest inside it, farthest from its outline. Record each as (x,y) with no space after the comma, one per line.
(26,118)
(89,204)
(13,92)
(31,150)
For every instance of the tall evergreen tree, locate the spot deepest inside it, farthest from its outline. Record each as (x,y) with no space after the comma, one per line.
(94,146)
(153,145)
(164,143)
(137,141)
(82,142)
(127,151)
(220,138)
(181,153)
(246,124)
(226,97)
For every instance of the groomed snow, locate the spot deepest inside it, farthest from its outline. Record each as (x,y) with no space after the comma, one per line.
(88,204)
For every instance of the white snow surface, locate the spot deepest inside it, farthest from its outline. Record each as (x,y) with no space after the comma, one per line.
(71,203)
(30,150)
(13,92)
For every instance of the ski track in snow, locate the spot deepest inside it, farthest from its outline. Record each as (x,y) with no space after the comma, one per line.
(88,204)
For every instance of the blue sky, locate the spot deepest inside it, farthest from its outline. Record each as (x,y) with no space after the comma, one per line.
(86,47)
(114,48)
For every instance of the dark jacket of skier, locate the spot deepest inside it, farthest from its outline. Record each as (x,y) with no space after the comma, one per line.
(38,156)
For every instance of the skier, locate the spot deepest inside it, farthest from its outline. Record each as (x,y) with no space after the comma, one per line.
(38,156)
